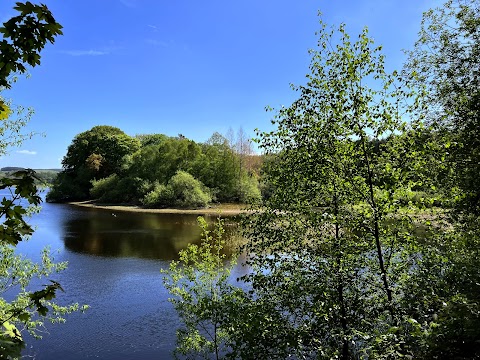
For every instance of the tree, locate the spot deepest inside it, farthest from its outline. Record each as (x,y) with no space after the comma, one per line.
(333,253)
(203,296)
(446,60)
(24,36)
(93,154)
(446,57)
(108,144)
(220,168)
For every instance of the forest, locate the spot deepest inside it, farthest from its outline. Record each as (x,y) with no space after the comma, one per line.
(363,233)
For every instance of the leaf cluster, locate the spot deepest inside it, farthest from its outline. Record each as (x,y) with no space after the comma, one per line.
(24,36)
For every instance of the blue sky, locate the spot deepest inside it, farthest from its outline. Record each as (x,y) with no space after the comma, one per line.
(183,66)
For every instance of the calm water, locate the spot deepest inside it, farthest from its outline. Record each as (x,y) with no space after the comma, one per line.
(114,266)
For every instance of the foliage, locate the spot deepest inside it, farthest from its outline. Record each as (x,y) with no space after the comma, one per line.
(24,36)
(159,196)
(93,154)
(159,158)
(445,289)
(333,251)
(102,186)
(28,309)
(45,177)
(249,190)
(151,139)
(69,186)
(220,169)
(202,295)
(446,59)
(182,190)
(101,149)
(187,191)
(114,189)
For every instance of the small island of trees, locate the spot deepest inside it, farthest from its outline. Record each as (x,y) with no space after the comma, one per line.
(156,170)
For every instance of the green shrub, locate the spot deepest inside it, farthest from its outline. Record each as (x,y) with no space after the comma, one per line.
(159,196)
(188,192)
(249,191)
(102,186)
(114,189)
(182,190)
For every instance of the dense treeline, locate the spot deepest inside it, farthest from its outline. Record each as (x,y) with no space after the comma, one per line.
(155,170)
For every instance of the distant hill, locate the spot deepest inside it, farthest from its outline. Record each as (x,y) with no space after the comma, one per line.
(11,168)
(14,168)
(46,176)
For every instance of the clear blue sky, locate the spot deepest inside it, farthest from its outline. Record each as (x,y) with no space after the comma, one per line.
(183,66)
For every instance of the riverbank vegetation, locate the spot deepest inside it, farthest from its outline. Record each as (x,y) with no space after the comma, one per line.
(339,269)
(158,171)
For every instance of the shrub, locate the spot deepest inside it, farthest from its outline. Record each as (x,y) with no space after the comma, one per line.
(249,191)
(113,189)
(182,190)
(159,196)
(103,186)
(188,192)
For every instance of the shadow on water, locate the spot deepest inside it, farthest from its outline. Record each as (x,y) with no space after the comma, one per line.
(122,234)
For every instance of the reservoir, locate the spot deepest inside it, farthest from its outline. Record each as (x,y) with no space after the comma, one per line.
(114,262)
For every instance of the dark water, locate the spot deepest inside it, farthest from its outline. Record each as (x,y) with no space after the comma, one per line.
(114,266)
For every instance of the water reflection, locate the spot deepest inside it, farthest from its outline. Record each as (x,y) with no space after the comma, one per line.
(122,234)
(114,266)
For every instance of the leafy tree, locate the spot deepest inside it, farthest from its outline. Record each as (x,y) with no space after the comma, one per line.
(249,190)
(446,57)
(28,309)
(93,154)
(446,60)
(101,149)
(114,189)
(151,139)
(203,296)
(333,251)
(187,191)
(159,162)
(219,169)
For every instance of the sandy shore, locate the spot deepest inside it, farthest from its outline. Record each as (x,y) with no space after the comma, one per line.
(223,209)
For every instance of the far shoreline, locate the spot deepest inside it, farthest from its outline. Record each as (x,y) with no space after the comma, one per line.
(216,209)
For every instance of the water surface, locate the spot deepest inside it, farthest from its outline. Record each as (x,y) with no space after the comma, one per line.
(114,266)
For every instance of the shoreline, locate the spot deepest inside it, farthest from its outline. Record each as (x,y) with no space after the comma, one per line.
(220,209)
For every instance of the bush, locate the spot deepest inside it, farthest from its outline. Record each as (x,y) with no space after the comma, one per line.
(188,192)
(103,186)
(113,189)
(182,190)
(160,196)
(249,191)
